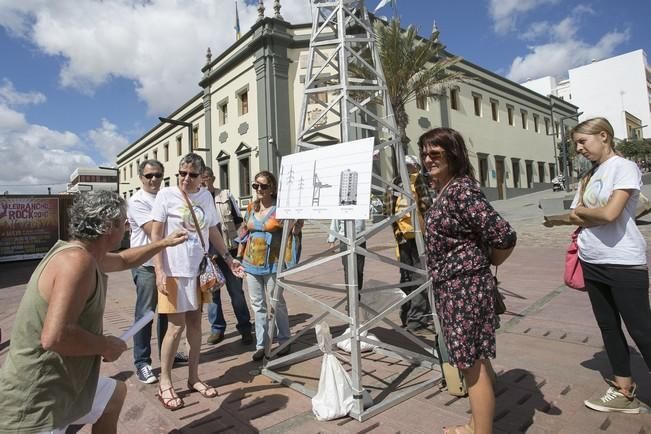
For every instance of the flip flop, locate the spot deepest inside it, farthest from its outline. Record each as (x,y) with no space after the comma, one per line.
(206,391)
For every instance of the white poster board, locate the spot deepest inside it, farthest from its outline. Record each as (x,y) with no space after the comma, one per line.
(333,182)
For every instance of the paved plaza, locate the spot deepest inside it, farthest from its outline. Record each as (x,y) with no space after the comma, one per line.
(549,353)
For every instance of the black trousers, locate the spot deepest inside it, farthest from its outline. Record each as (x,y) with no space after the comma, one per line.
(416,312)
(619,294)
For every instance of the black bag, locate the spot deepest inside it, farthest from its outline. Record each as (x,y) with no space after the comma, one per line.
(500,306)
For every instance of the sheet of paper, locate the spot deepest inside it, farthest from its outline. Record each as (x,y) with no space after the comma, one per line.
(137,326)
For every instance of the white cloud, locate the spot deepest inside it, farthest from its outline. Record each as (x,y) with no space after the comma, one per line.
(35,156)
(564,30)
(107,141)
(10,96)
(555,47)
(536,30)
(159,44)
(555,58)
(504,13)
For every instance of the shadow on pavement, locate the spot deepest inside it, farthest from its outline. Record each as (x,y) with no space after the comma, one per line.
(235,412)
(517,398)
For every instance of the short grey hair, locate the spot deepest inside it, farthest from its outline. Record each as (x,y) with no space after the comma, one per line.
(93,213)
(150,162)
(195,161)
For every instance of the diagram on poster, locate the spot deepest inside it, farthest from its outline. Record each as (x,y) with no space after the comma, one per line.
(333,182)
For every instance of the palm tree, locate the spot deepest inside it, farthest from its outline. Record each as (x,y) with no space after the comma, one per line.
(414,67)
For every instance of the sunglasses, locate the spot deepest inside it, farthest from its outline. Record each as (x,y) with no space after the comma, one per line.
(434,155)
(156,175)
(257,186)
(183,174)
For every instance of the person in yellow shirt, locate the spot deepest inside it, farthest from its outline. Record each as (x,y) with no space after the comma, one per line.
(416,313)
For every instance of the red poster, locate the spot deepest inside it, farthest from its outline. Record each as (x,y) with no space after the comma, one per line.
(29,227)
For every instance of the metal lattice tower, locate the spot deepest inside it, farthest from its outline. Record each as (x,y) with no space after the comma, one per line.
(346,98)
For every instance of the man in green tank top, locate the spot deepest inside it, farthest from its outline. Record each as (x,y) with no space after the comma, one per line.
(50,379)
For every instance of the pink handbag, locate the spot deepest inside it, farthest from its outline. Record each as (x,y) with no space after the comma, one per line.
(573,276)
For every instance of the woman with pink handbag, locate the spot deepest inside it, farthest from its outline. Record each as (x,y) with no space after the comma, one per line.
(612,254)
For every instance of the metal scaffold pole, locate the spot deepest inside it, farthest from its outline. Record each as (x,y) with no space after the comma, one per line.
(346,96)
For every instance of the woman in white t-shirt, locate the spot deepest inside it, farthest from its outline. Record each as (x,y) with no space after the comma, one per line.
(612,252)
(177,270)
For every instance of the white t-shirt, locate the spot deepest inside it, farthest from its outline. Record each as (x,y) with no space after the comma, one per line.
(619,242)
(171,208)
(139,213)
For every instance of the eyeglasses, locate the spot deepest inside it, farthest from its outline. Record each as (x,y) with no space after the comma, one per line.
(156,175)
(183,174)
(257,186)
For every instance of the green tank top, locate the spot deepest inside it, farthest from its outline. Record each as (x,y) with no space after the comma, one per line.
(41,390)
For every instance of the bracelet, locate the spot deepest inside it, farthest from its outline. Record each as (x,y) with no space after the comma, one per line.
(227,255)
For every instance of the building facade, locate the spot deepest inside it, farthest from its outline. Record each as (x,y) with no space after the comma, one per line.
(617,88)
(92,178)
(246,115)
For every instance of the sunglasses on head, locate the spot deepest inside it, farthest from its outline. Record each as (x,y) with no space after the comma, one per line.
(257,186)
(153,175)
(183,174)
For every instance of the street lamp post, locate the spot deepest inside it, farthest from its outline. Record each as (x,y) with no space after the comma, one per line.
(181,124)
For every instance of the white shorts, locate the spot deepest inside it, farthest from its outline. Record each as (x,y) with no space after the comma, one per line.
(105,389)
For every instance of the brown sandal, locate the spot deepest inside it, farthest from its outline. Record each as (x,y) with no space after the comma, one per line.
(205,391)
(172,397)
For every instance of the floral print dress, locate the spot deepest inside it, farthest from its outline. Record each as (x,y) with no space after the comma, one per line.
(460,227)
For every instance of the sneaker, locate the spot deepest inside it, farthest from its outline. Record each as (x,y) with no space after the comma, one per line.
(258,355)
(145,375)
(247,338)
(216,337)
(180,358)
(615,401)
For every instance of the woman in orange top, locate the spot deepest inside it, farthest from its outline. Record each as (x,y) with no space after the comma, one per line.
(260,250)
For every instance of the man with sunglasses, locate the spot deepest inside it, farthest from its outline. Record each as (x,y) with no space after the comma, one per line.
(139,216)
(230,218)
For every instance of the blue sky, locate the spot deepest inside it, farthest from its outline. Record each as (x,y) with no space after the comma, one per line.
(79,81)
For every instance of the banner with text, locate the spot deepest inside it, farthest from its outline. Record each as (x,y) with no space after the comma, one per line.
(29,227)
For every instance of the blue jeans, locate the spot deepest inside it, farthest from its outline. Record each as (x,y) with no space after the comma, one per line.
(241,310)
(259,287)
(146,299)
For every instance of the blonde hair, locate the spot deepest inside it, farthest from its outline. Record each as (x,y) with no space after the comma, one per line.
(595,126)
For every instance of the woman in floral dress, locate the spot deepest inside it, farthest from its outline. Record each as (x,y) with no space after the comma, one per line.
(464,236)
